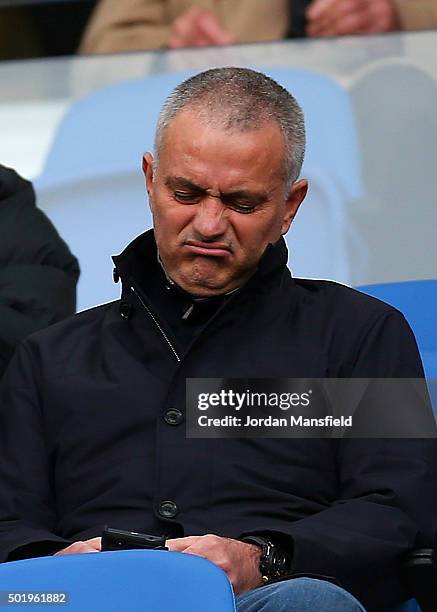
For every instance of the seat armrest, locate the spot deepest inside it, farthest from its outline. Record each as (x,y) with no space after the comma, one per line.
(420,568)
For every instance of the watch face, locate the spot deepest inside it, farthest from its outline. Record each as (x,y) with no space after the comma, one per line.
(280,563)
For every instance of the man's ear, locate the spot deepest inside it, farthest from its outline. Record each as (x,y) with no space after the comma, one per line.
(148,175)
(294,199)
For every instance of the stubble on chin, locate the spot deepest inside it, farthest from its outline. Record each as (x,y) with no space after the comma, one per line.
(205,275)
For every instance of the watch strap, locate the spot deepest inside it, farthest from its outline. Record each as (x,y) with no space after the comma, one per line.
(267,567)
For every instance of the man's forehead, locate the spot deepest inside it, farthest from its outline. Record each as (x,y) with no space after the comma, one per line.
(194,151)
(189,128)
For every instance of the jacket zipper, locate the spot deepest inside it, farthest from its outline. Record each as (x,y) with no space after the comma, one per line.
(164,335)
(151,315)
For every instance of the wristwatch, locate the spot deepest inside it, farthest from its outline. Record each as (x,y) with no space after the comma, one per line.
(275,561)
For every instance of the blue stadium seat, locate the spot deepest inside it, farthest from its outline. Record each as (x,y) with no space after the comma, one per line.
(134,580)
(323,241)
(417,300)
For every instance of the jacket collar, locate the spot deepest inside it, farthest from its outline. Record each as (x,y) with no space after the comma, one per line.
(137,259)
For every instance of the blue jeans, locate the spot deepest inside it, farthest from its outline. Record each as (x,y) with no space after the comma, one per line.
(299,595)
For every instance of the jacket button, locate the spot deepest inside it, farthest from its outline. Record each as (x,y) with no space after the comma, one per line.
(168,509)
(125,310)
(173,416)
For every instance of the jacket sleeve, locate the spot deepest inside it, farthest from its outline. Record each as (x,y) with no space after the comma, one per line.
(32,296)
(131,25)
(387,498)
(27,503)
(417,14)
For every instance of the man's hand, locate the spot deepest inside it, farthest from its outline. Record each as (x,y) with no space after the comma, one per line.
(239,560)
(198,27)
(338,18)
(88,546)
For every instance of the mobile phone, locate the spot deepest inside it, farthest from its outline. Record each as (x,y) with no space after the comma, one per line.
(116,539)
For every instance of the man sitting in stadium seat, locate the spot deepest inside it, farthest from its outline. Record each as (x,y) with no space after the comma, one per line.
(92,410)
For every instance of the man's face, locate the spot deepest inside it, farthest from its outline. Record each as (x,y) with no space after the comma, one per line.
(217,200)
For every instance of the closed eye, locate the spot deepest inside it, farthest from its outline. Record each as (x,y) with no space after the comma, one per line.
(186,197)
(245,209)
(194,197)
(241,205)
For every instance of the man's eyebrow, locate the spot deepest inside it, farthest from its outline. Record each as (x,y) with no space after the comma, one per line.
(255,197)
(178,182)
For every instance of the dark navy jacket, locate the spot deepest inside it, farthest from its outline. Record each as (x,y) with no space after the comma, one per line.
(86,439)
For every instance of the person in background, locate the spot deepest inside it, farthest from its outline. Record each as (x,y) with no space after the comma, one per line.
(135,25)
(334,18)
(38,273)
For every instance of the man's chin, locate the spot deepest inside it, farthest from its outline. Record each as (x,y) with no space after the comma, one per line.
(205,286)
(205,289)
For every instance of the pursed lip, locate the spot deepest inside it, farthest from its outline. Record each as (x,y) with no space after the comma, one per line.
(211,249)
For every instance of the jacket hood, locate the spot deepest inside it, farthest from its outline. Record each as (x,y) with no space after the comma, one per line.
(27,235)
(13,186)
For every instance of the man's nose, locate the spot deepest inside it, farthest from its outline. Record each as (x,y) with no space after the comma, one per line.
(210,220)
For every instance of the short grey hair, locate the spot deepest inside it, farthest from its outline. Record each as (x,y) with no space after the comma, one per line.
(239,99)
